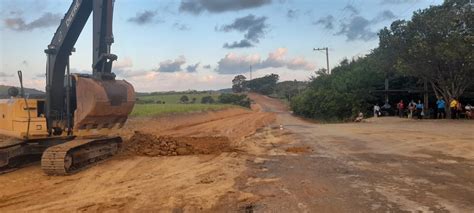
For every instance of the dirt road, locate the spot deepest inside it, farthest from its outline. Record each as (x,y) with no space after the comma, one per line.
(276,163)
(383,165)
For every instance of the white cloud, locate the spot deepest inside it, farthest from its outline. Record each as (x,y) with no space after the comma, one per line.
(300,63)
(275,59)
(123,63)
(172,65)
(192,67)
(179,81)
(233,63)
(237,64)
(123,68)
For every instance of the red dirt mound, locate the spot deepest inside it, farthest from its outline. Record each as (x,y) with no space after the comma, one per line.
(145,144)
(298,149)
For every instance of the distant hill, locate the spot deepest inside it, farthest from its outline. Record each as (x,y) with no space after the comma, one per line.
(227,90)
(33,93)
(142,94)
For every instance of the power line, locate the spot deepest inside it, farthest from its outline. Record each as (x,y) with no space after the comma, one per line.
(409,8)
(342,13)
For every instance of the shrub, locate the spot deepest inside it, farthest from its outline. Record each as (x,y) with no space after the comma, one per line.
(236,99)
(184,99)
(341,95)
(207,100)
(141,101)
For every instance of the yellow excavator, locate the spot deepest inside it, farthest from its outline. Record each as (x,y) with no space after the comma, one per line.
(70,127)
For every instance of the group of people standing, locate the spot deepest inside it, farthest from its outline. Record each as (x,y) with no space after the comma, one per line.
(455,107)
(416,109)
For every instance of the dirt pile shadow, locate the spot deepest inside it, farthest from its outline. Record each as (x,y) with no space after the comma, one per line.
(146,144)
(297,150)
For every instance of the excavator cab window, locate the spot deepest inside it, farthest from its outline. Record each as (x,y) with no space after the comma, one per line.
(40,109)
(72,101)
(73,98)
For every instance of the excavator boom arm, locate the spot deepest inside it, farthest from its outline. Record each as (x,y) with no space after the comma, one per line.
(62,46)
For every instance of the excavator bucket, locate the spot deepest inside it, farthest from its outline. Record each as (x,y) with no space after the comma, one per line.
(102,104)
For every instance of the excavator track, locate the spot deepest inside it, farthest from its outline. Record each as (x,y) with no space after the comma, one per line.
(78,154)
(15,166)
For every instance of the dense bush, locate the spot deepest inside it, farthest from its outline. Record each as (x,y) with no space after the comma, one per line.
(341,95)
(265,85)
(184,99)
(207,100)
(141,101)
(289,89)
(236,99)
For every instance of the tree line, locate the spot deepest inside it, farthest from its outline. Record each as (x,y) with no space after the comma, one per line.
(265,85)
(436,46)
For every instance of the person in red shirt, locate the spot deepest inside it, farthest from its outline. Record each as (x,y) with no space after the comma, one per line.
(401,108)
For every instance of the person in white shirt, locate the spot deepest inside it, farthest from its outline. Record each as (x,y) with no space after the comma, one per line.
(469,109)
(376,110)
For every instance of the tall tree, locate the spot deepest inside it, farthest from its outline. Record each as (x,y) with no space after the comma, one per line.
(265,85)
(238,83)
(436,45)
(289,89)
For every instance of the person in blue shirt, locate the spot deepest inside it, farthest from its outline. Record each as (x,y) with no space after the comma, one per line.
(419,110)
(441,110)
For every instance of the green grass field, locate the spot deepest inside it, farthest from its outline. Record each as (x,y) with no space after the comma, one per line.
(162,109)
(174,98)
(172,105)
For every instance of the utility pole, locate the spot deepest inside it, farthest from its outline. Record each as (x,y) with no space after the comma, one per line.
(386,88)
(250,72)
(425,97)
(327,57)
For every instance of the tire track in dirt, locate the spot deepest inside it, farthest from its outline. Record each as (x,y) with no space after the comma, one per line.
(180,127)
(138,183)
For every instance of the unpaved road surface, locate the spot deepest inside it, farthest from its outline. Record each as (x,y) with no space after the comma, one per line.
(383,165)
(269,161)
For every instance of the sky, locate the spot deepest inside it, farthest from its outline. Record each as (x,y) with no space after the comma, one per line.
(165,45)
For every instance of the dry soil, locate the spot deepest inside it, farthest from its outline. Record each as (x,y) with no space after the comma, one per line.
(264,160)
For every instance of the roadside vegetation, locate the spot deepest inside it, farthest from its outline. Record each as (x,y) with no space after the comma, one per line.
(269,85)
(162,109)
(174,97)
(434,47)
(433,50)
(152,104)
(235,99)
(341,95)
